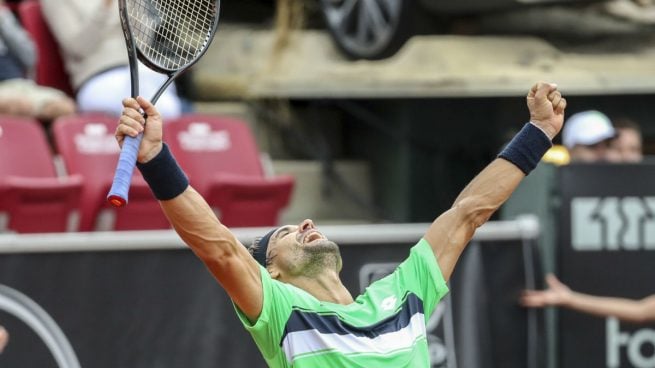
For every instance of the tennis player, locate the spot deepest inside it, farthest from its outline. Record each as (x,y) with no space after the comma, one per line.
(286,288)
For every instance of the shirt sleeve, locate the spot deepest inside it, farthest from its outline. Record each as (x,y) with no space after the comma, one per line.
(420,274)
(268,329)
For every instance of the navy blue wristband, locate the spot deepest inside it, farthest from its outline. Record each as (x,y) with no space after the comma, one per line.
(164,176)
(527,148)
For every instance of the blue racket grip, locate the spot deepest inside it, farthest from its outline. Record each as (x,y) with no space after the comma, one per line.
(123,176)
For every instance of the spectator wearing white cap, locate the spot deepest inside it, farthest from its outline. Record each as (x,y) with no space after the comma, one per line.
(587,136)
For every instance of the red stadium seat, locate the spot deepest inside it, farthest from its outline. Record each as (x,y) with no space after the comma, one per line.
(87,146)
(50,70)
(33,199)
(221,158)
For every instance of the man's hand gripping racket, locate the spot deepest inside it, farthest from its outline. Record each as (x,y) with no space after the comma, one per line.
(167,36)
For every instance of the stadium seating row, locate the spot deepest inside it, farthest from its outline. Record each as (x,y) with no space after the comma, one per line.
(218,154)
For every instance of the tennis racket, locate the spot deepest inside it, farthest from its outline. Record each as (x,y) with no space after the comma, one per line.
(167,36)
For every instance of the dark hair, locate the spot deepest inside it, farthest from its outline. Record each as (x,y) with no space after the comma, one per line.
(626,123)
(259,248)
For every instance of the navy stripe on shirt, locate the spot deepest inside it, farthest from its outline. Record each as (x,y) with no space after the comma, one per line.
(301,320)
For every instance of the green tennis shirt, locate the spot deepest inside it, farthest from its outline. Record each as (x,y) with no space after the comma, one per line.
(383,327)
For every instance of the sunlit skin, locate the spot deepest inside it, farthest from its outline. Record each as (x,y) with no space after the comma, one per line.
(302,256)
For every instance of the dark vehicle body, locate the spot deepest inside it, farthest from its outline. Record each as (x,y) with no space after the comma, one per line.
(375,29)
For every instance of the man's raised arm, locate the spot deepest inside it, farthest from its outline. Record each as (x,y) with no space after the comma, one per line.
(227,259)
(451,232)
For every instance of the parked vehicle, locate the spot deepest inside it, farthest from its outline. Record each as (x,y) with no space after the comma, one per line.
(375,29)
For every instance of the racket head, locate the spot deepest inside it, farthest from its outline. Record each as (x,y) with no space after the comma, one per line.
(168,36)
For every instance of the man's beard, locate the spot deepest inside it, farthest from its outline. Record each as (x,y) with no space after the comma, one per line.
(316,259)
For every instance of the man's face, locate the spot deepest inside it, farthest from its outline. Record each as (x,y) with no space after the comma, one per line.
(598,152)
(301,250)
(628,145)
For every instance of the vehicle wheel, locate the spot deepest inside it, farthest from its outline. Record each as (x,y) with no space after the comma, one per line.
(368,29)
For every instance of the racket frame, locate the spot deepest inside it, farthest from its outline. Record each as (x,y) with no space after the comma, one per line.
(118,194)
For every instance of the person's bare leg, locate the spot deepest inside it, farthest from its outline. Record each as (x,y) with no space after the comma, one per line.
(56,108)
(16,106)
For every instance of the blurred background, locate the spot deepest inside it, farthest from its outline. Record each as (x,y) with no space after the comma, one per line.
(368,116)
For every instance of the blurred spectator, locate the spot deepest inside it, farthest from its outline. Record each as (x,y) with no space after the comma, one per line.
(557,155)
(20,95)
(628,143)
(587,137)
(560,295)
(4,338)
(93,48)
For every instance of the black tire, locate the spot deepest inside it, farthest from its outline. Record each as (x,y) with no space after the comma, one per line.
(369,29)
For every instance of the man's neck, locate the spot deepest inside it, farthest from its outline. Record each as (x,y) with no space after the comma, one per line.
(325,287)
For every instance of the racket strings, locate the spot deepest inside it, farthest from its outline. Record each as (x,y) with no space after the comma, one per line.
(172,33)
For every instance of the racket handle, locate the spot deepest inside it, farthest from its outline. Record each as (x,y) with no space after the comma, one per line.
(120,187)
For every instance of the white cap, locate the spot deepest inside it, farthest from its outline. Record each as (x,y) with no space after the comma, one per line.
(587,128)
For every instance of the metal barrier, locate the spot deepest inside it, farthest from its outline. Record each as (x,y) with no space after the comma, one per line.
(525,227)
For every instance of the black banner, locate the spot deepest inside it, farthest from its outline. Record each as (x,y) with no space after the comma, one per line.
(607,247)
(492,330)
(162,308)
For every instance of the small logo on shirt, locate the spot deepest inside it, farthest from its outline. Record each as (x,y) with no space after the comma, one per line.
(389,303)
